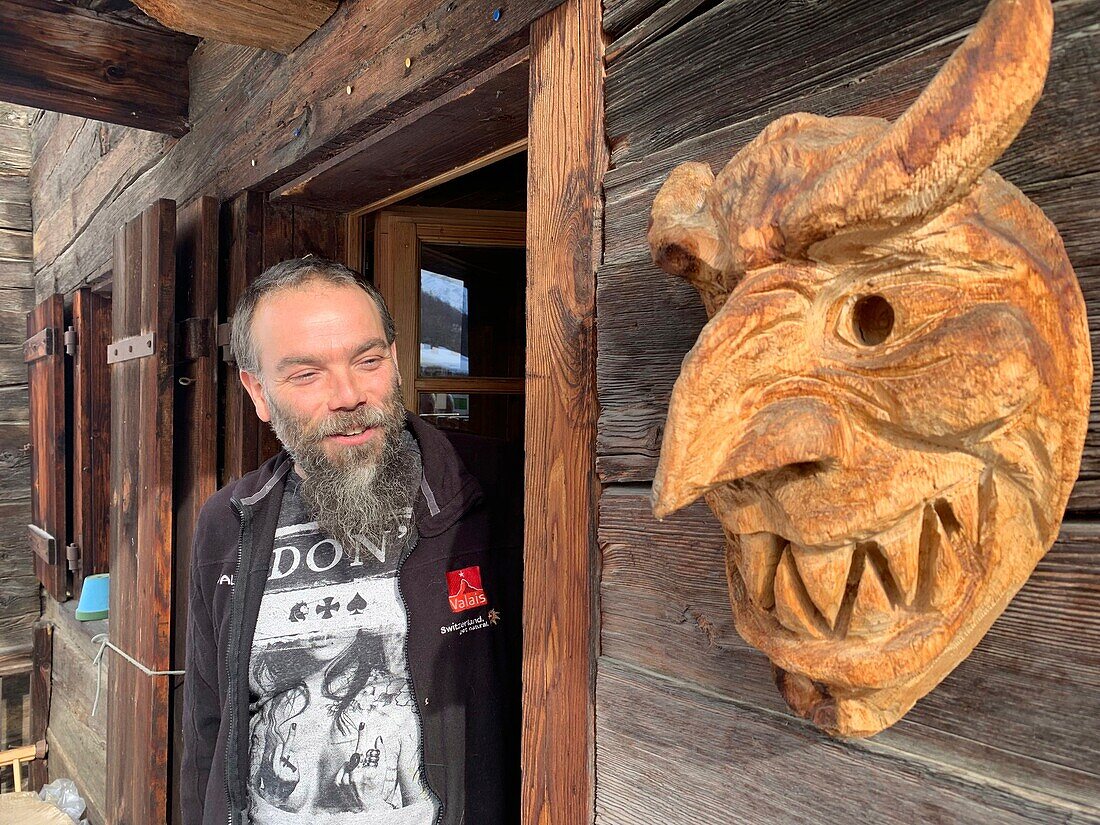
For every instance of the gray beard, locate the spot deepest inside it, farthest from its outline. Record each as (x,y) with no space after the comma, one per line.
(361,492)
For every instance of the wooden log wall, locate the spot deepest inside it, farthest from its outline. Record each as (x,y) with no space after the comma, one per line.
(689,727)
(18,586)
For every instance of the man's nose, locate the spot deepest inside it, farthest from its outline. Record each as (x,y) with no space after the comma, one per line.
(345,392)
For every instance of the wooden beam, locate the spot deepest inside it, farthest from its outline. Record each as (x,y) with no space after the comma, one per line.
(67,59)
(279,25)
(485,116)
(567,157)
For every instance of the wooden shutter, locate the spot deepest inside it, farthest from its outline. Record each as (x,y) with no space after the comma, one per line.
(45,356)
(262,234)
(196,423)
(142,385)
(91,477)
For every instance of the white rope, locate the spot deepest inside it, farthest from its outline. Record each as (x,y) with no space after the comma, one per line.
(104,643)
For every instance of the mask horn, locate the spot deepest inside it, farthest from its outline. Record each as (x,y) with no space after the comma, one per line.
(934,153)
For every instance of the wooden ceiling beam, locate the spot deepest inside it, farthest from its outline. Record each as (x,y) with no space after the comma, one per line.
(278,25)
(67,59)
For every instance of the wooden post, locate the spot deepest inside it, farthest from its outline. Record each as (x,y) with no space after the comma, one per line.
(567,157)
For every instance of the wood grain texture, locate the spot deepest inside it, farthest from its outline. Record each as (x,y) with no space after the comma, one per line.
(138,709)
(196,434)
(1001,713)
(91,438)
(77,740)
(567,160)
(286,115)
(76,61)
(49,457)
(280,25)
(672,754)
(40,696)
(485,114)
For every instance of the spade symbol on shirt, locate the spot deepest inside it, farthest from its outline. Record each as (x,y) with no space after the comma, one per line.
(357,604)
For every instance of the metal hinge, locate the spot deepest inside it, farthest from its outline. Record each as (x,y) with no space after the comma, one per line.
(225,332)
(72,556)
(70,341)
(136,346)
(40,345)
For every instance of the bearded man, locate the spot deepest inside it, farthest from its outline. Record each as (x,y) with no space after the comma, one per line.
(345,661)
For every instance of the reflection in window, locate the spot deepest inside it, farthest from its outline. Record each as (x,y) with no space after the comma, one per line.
(444,325)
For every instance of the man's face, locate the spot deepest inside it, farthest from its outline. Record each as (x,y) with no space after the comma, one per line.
(326,371)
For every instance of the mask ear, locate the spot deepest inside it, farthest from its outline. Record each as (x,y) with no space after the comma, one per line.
(255,391)
(684,238)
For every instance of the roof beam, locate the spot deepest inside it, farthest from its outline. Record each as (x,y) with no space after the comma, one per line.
(278,25)
(67,59)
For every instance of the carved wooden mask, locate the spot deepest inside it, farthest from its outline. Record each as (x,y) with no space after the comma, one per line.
(887,407)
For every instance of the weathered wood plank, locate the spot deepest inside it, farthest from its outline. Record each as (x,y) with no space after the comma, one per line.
(567,160)
(143,301)
(19,600)
(1002,712)
(76,61)
(49,457)
(306,92)
(483,115)
(15,303)
(674,755)
(280,25)
(91,438)
(15,202)
(40,696)
(196,433)
(214,68)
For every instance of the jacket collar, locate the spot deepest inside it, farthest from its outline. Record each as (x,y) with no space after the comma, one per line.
(447,490)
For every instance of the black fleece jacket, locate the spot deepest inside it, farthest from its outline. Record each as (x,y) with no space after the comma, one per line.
(465,688)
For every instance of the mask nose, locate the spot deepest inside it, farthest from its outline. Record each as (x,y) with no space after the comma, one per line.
(792,432)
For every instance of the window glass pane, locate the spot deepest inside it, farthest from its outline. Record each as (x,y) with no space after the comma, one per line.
(472,311)
(499,415)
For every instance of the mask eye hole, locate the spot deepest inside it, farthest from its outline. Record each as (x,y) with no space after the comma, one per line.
(872,319)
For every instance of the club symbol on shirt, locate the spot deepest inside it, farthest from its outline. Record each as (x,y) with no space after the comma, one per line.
(326,608)
(357,605)
(298,612)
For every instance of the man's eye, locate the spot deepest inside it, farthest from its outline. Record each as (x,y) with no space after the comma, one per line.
(302,377)
(371,363)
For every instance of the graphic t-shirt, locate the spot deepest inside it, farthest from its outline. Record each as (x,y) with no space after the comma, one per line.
(334,729)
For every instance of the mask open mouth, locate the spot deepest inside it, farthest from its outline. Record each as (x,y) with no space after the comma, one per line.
(871,585)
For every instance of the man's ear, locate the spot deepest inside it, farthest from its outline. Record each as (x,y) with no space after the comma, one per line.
(396,366)
(255,391)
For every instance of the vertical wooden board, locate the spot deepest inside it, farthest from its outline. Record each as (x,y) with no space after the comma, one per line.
(195,429)
(40,696)
(245,242)
(91,473)
(567,159)
(319,232)
(141,518)
(49,486)
(397,254)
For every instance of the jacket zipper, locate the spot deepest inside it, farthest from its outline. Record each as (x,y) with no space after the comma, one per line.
(230,657)
(412,687)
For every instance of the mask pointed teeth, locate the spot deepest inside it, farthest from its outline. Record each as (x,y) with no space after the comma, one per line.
(900,547)
(793,607)
(945,567)
(756,562)
(824,574)
(959,511)
(872,611)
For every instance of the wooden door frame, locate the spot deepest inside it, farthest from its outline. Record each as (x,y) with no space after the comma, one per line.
(567,157)
(397,237)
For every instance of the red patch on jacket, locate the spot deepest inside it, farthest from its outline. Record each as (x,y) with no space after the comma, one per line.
(464,590)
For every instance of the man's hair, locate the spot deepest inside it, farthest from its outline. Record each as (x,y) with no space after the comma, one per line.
(288,275)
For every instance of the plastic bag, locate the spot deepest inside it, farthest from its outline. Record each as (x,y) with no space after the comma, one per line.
(63,794)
